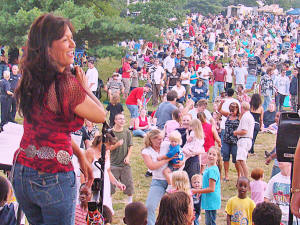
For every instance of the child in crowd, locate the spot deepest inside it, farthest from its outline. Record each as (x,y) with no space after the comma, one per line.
(239,208)
(175,142)
(211,191)
(107,215)
(135,214)
(195,141)
(173,124)
(8,211)
(196,181)
(81,210)
(266,213)
(181,182)
(278,191)
(114,107)
(258,186)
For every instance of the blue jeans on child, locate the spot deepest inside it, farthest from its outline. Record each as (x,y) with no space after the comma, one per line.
(210,217)
(140,133)
(45,198)
(156,192)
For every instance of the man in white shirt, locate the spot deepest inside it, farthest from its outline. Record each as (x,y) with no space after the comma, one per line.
(244,132)
(204,72)
(169,62)
(240,74)
(156,72)
(92,76)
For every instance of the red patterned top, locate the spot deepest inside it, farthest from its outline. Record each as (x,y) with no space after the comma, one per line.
(209,139)
(53,128)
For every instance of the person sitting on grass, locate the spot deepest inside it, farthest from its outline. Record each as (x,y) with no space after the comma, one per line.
(239,208)
(174,149)
(266,213)
(141,124)
(114,85)
(135,214)
(180,90)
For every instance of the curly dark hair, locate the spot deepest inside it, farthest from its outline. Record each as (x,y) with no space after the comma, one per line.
(37,69)
(173,209)
(255,101)
(4,189)
(266,213)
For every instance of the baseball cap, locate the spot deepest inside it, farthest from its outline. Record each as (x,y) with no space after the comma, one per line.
(115,74)
(148,85)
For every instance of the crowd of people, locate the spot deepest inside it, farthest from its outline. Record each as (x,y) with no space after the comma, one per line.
(205,82)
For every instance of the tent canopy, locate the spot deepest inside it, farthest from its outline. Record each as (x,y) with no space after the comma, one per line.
(294,12)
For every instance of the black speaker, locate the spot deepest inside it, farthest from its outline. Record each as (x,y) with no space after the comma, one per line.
(287,136)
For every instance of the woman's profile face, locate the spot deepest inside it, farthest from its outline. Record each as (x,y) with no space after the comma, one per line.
(62,50)
(156,141)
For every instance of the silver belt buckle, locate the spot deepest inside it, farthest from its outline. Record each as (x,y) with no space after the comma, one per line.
(30,151)
(46,152)
(63,157)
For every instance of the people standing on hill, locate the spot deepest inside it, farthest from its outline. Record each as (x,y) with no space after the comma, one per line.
(92,76)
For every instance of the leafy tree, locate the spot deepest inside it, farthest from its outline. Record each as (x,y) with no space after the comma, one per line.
(96,22)
(205,7)
(159,13)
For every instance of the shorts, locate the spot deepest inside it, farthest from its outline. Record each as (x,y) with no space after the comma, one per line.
(171,167)
(126,83)
(124,175)
(243,146)
(134,111)
(227,150)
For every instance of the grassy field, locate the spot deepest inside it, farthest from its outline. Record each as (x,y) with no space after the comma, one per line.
(264,142)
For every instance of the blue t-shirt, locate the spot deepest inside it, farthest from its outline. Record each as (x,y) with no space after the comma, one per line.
(211,201)
(193,81)
(164,113)
(173,150)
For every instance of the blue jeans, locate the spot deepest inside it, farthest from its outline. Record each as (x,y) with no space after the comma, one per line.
(218,86)
(140,133)
(267,100)
(45,198)
(181,100)
(210,217)
(134,111)
(156,192)
(222,137)
(211,46)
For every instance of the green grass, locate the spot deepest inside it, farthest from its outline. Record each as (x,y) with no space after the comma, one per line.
(264,142)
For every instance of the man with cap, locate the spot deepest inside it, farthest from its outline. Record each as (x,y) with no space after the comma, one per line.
(92,76)
(134,102)
(114,85)
(126,72)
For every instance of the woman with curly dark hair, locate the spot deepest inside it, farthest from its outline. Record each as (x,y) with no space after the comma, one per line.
(175,208)
(257,112)
(54,103)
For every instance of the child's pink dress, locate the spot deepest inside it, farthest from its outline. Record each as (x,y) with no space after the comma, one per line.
(194,147)
(170,126)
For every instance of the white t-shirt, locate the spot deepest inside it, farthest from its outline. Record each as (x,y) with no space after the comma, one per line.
(180,90)
(194,113)
(157,75)
(164,148)
(185,75)
(247,123)
(228,74)
(204,72)
(225,107)
(278,192)
(92,77)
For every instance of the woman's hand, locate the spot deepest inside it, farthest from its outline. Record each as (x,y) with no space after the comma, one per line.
(87,171)
(121,186)
(295,204)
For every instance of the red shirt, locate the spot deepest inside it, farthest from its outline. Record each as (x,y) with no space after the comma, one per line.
(219,74)
(142,123)
(212,66)
(192,64)
(49,129)
(191,31)
(136,94)
(125,68)
(209,139)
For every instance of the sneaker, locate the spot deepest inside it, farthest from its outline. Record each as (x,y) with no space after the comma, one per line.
(130,128)
(148,174)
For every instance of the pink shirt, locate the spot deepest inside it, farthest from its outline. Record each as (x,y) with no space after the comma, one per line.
(170,126)
(258,188)
(80,215)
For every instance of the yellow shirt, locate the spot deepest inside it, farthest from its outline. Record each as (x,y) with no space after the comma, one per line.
(240,210)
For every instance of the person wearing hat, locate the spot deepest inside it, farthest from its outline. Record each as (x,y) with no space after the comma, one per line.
(114,85)
(92,76)
(126,72)
(134,102)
